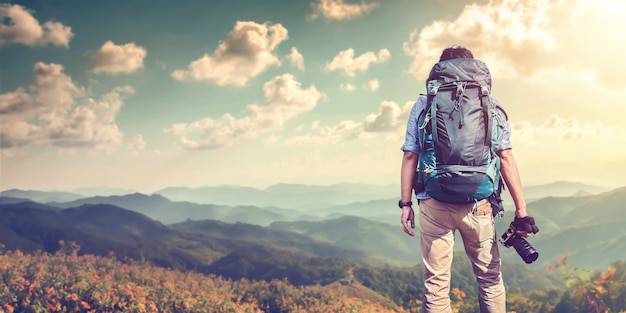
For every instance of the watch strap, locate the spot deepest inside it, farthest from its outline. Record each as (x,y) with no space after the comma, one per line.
(402,204)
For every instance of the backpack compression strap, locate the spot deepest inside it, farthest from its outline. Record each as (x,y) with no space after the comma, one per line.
(486,104)
(433,113)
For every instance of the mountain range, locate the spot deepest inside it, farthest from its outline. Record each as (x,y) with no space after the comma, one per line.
(168,212)
(290,196)
(314,255)
(586,223)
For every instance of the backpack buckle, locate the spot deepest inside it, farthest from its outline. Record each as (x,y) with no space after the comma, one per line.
(484,90)
(433,90)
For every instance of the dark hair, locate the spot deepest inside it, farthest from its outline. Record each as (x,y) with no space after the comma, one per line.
(455,52)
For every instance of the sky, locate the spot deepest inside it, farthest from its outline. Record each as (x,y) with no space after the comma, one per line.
(144,95)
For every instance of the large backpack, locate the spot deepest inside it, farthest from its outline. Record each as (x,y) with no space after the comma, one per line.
(459,133)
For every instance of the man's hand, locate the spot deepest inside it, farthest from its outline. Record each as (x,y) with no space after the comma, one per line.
(525,226)
(408,216)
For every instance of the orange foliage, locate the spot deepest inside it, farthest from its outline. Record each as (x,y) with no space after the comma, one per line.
(66,282)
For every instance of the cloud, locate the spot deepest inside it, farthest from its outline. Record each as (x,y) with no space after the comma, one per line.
(557,139)
(49,90)
(328,134)
(390,118)
(117,59)
(296,58)
(560,129)
(137,145)
(347,86)
(19,26)
(339,10)
(346,62)
(284,99)
(248,50)
(518,39)
(373,85)
(53,111)
(271,139)
(503,32)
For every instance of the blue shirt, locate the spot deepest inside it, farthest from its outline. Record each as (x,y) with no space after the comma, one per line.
(411,139)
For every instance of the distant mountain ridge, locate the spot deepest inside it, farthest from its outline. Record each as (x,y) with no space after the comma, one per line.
(41,196)
(297,197)
(162,209)
(562,189)
(288,196)
(555,215)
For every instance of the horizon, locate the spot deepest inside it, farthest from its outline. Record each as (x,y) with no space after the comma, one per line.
(606,188)
(314,92)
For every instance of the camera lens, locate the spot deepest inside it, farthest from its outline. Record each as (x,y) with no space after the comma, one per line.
(524,249)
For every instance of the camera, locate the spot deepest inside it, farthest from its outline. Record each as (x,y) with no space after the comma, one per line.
(523,248)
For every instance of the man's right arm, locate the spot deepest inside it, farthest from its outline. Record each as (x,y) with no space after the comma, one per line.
(407,174)
(410,149)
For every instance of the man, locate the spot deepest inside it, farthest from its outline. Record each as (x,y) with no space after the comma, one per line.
(439,218)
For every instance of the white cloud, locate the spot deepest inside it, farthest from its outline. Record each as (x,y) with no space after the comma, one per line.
(339,9)
(567,142)
(137,145)
(296,58)
(284,99)
(116,59)
(272,139)
(517,39)
(559,129)
(49,90)
(373,85)
(390,118)
(49,113)
(346,62)
(347,86)
(370,85)
(19,26)
(328,134)
(501,32)
(248,50)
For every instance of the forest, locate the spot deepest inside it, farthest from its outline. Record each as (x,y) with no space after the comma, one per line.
(67,281)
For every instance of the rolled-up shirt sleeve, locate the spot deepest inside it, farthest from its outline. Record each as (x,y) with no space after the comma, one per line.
(410,139)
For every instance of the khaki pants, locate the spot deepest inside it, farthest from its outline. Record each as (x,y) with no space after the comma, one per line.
(438,221)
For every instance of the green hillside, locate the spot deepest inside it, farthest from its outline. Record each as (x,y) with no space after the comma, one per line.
(381,242)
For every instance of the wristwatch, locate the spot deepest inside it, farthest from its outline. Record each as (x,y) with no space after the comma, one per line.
(403,204)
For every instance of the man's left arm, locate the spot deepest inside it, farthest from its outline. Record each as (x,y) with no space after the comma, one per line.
(524,223)
(510,173)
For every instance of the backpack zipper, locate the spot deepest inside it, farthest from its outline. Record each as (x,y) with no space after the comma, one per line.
(495,114)
(426,120)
